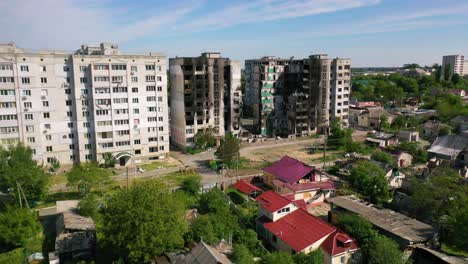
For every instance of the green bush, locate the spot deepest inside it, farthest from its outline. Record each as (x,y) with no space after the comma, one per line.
(382,157)
(15,256)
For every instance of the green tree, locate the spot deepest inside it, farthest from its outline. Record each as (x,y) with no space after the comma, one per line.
(202,229)
(369,179)
(213,201)
(205,138)
(314,257)
(228,150)
(357,227)
(279,257)
(17,226)
(411,66)
(458,228)
(17,168)
(456,79)
(89,206)
(191,185)
(242,254)
(54,165)
(447,72)
(86,176)
(438,73)
(382,157)
(384,124)
(383,250)
(109,161)
(143,222)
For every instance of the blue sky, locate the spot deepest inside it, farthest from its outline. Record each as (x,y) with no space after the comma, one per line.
(371,32)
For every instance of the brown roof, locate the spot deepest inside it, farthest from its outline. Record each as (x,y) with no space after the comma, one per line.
(203,253)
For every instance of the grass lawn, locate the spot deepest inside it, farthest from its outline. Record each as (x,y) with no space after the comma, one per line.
(454,251)
(60,178)
(156,165)
(174,179)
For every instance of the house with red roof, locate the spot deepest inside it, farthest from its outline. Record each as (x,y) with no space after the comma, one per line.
(286,227)
(247,188)
(298,181)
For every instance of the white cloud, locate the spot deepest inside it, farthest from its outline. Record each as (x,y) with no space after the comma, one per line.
(269,10)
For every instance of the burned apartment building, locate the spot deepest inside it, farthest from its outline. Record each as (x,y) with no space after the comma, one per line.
(205,93)
(297,97)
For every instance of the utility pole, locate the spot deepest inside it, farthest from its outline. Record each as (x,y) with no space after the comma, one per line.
(127,177)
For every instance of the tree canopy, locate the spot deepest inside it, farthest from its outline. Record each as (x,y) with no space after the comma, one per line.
(17,226)
(279,257)
(87,176)
(143,222)
(369,179)
(205,138)
(382,157)
(17,168)
(228,150)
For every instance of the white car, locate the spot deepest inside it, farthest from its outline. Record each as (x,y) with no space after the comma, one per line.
(140,170)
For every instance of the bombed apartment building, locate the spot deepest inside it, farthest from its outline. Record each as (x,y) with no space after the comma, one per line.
(205,93)
(297,97)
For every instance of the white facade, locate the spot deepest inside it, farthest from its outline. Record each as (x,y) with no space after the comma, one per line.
(76,107)
(458,63)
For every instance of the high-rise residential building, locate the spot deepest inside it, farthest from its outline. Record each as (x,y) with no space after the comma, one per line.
(205,93)
(297,97)
(457,63)
(77,107)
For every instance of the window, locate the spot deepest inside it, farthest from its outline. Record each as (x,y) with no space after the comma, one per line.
(117,79)
(26,92)
(136,142)
(7,92)
(66,69)
(160,99)
(31,139)
(71,146)
(28,116)
(70,125)
(119,89)
(151,98)
(87,135)
(84,102)
(159,79)
(160,118)
(122,143)
(150,78)
(159,88)
(88,156)
(133,68)
(101,79)
(161,128)
(161,147)
(101,90)
(43,68)
(135,100)
(49,148)
(29,129)
(26,80)
(120,111)
(150,88)
(72,157)
(86,124)
(152,119)
(7,80)
(104,123)
(121,122)
(45,103)
(83,68)
(102,112)
(150,67)
(101,67)
(135,90)
(343,260)
(48,137)
(85,113)
(136,111)
(87,146)
(6,67)
(119,67)
(153,149)
(27,105)
(71,135)
(24,68)
(67,91)
(83,80)
(134,79)
(120,100)
(9,130)
(137,151)
(103,101)
(46,115)
(68,102)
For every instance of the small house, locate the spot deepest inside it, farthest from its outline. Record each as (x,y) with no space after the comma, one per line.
(408,136)
(291,229)
(452,148)
(460,122)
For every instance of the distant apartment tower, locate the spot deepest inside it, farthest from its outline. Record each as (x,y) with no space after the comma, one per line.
(457,63)
(77,107)
(205,92)
(297,97)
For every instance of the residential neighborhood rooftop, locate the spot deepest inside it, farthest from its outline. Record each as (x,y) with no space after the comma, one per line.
(288,169)
(398,224)
(272,202)
(449,145)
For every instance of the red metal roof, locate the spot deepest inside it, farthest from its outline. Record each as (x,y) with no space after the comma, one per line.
(272,202)
(246,187)
(332,247)
(299,229)
(288,169)
(307,186)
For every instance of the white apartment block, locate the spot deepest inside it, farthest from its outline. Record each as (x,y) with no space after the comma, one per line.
(76,107)
(458,64)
